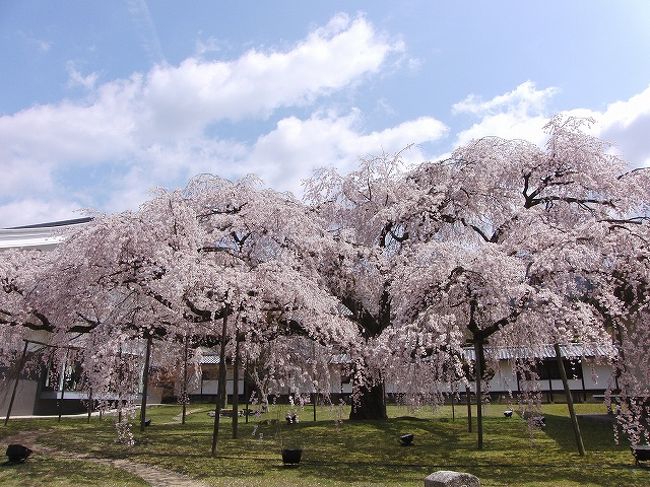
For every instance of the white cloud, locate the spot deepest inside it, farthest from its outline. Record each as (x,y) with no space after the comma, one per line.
(33,210)
(626,124)
(414,64)
(282,157)
(290,152)
(75,78)
(204,46)
(150,127)
(525,98)
(518,114)
(257,83)
(383,108)
(508,125)
(40,44)
(180,101)
(523,112)
(22,176)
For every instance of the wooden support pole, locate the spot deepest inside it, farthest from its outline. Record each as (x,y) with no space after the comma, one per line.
(185,396)
(120,373)
(90,403)
(65,360)
(145,385)
(569,400)
(247,395)
(453,409)
(478,348)
(469,408)
(21,363)
(547,365)
(235,392)
(222,383)
(582,379)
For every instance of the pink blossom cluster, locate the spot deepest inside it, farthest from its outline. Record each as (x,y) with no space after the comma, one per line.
(394,269)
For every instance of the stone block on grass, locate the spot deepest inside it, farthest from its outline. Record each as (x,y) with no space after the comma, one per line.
(448,478)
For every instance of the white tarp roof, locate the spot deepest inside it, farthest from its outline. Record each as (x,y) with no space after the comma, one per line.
(43,236)
(29,238)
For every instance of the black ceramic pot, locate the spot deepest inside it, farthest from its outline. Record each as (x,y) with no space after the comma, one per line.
(18,453)
(407,439)
(291,456)
(641,453)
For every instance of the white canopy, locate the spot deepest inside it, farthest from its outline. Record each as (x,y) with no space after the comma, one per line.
(44,236)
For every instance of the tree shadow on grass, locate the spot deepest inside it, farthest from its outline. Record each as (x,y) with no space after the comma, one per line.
(369,452)
(344,473)
(597,435)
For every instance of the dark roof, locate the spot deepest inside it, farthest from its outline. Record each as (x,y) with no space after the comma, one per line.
(571,351)
(61,223)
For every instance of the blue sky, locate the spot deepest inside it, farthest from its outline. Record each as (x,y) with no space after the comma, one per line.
(102,101)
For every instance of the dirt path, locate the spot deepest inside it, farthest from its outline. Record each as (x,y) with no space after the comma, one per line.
(179,417)
(154,476)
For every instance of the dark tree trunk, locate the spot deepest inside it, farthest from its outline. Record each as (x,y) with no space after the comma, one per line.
(569,401)
(453,409)
(371,404)
(221,393)
(90,403)
(235,393)
(247,397)
(480,361)
(372,401)
(468,399)
(60,404)
(184,394)
(145,385)
(21,363)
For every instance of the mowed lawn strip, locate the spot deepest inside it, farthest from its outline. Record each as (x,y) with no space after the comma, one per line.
(44,470)
(364,453)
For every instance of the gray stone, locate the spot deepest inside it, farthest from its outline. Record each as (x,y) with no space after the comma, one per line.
(447,478)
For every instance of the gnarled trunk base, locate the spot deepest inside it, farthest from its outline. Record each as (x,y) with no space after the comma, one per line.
(371,404)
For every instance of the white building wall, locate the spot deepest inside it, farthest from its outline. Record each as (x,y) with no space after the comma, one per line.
(210,387)
(596,378)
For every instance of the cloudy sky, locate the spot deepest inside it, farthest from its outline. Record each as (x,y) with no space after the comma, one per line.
(102,101)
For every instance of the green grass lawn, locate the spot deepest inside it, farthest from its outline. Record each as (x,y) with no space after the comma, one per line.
(361,453)
(43,470)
